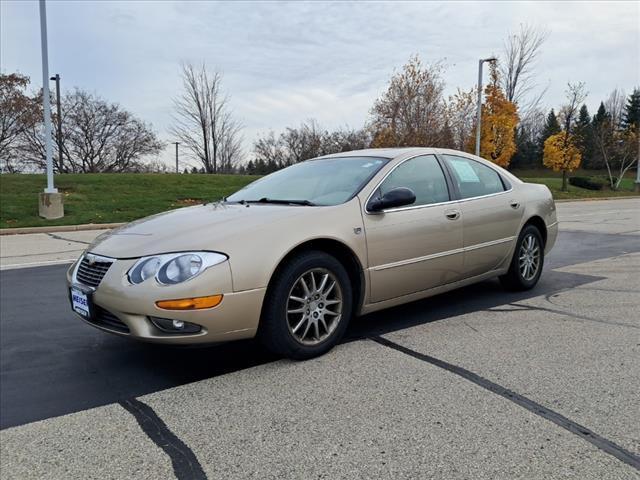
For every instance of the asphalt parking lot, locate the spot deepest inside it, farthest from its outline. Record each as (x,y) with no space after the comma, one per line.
(477,383)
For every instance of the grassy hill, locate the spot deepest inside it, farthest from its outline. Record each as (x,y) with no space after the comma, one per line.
(107,198)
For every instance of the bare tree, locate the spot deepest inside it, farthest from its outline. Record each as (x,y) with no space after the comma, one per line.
(461,109)
(615,106)
(203,121)
(576,94)
(301,143)
(18,112)
(618,146)
(270,150)
(521,50)
(412,110)
(344,140)
(97,136)
(230,151)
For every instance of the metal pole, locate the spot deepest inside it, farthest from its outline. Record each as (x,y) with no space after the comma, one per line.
(46,99)
(637,189)
(176,144)
(479,111)
(57,79)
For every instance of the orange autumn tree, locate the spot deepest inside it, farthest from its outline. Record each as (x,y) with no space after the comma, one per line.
(499,121)
(561,151)
(561,154)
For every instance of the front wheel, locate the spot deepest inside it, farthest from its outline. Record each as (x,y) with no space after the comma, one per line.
(307,307)
(526,264)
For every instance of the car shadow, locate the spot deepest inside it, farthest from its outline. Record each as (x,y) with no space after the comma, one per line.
(53,364)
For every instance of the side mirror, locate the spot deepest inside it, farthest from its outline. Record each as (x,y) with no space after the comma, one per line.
(397,197)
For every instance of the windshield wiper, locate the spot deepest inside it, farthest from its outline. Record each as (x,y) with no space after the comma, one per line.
(306,203)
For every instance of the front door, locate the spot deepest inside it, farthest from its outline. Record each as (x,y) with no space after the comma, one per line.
(491,214)
(419,246)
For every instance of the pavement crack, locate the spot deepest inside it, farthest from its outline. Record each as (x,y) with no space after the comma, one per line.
(185,463)
(58,237)
(520,307)
(590,436)
(472,328)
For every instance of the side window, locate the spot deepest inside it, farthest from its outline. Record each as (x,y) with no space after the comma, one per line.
(473,178)
(424,176)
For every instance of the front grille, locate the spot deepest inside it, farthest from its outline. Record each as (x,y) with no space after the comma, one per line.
(104,318)
(92,273)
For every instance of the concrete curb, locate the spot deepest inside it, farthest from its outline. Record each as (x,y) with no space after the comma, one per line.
(596,199)
(59,228)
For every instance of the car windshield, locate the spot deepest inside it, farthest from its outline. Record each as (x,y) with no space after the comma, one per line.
(328,181)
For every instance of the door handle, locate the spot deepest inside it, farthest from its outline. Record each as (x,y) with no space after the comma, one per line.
(514,204)
(452,214)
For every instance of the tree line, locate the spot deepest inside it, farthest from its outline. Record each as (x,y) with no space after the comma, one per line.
(100,136)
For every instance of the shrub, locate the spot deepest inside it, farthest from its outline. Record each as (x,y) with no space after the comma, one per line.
(590,183)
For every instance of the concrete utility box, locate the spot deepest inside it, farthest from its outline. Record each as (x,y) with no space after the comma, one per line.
(50,206)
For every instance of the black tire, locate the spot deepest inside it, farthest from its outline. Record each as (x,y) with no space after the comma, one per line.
(515,279)
(275,332)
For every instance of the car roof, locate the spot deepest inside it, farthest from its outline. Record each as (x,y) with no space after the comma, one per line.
(379,152)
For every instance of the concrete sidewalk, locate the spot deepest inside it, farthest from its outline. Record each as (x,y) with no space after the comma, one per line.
(38,249)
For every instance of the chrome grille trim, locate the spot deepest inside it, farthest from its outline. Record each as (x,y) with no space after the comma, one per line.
(91,269)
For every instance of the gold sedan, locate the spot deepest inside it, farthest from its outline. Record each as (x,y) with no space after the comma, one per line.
(293,256)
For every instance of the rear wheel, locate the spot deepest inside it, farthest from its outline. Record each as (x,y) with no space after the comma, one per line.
(527,262)
(308,306)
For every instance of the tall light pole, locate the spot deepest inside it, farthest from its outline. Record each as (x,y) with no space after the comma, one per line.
(50,201)
(176,144)
(59,136)
(45,97)
(479,112)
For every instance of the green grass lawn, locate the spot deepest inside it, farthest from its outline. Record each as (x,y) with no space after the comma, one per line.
(107,198)
(110,198)
(553,180)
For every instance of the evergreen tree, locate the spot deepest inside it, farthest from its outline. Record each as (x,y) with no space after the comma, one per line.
(597,123)
(551,127)
(632,110)
(600,116)
(527,154)
(584,135)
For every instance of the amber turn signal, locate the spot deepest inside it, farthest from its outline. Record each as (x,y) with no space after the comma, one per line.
(197,303)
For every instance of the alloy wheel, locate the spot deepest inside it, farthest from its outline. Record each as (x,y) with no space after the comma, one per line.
(529,257)
(314,306)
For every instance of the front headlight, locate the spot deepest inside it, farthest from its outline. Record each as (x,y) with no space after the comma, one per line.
(173,268)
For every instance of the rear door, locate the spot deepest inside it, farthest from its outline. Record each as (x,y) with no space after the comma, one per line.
(416,247)
(491,214)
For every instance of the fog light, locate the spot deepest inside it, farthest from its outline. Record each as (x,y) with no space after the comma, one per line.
(174,326)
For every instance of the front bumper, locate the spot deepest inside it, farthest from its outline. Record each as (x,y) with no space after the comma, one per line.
(236,317)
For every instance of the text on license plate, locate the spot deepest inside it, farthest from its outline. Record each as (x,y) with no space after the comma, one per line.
(80,302)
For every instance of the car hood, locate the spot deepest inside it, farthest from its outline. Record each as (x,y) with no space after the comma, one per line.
(215,226)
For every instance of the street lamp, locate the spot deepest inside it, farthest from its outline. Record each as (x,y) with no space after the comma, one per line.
(56,78)
(479,112)
(50,201)
(176,144)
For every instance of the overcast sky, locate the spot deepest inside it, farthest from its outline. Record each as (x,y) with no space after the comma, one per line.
(287,62)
